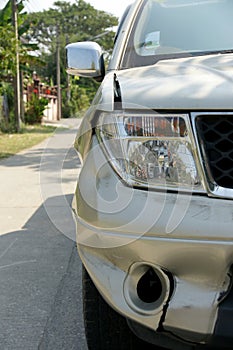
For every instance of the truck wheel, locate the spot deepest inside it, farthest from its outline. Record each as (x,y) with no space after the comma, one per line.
(105,329)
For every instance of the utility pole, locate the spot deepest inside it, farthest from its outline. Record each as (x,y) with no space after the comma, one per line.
(16,78)
(58,75)
(68,92)
(22,110)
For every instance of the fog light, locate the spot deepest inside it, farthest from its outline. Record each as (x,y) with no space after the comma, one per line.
(146,288)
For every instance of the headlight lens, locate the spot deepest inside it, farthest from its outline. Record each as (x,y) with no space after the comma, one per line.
(152,150)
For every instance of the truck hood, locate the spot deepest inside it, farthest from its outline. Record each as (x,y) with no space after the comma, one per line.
(193,83)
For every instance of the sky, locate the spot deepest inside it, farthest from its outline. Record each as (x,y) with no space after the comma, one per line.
(115,7)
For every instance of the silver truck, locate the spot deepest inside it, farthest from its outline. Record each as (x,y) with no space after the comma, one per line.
(153,203)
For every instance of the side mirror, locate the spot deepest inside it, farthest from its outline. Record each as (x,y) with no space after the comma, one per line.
(85,59)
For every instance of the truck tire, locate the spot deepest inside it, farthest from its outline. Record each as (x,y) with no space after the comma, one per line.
(105,329)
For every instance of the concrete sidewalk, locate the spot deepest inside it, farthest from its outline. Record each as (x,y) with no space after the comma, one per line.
(37,236)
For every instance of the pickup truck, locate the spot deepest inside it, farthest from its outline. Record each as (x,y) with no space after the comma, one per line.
(153,203)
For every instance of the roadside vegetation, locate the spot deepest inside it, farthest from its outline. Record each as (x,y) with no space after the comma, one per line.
(42,38)
(12,143)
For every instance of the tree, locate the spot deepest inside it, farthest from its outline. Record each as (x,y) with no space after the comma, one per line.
(9,43)
(77,22)
(67,23)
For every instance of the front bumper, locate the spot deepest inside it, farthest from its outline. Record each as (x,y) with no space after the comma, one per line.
(186,240)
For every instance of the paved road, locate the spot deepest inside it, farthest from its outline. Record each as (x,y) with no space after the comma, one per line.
(40,293)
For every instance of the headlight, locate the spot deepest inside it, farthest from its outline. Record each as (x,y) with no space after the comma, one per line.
(151,150)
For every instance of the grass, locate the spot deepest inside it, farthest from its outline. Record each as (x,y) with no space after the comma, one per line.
(29,136)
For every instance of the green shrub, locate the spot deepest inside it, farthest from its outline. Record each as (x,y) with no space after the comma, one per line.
(35,109)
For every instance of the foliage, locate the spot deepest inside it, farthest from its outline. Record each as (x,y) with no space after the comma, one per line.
(77,104)
(6,12)
(71,22)
(8,41)
(35,109)
(7,126)
(7,88)
(81,96)
(7,50)
(48,30)
(8,46)
(7,123)
(61,25)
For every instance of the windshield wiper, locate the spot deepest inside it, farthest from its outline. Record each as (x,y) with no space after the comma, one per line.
(226,51)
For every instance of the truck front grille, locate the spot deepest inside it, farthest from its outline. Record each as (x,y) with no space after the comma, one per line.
(215,134)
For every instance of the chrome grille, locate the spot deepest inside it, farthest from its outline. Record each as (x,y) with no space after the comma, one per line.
(215,134)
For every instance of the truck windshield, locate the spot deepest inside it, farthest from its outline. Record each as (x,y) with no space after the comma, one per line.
(167,29)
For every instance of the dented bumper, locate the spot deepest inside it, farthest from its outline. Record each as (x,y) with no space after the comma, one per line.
(184,241)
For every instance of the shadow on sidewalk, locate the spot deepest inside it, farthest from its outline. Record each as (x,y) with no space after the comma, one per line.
(40,293)
(32,158)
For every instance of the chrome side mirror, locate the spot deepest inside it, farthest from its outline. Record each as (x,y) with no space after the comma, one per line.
(85,59)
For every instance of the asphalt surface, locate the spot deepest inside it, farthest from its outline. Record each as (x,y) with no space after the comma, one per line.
(40,271)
